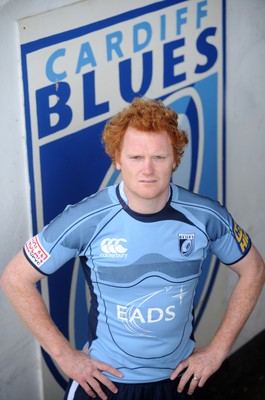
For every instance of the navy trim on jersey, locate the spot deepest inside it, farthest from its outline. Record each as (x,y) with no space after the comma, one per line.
(33,265)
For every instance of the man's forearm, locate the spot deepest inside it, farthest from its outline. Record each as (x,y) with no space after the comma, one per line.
(206,361)
(29,305)
(242,301)
(18,283)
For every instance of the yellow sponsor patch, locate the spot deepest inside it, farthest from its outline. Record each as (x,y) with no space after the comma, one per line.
(242,237)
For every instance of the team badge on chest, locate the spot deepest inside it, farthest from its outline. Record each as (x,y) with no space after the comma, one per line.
(186,243)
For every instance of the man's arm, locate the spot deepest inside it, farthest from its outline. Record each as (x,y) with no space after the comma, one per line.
(18,283)
(205,361)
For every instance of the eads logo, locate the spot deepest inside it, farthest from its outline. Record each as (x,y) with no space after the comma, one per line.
(141,315)
(113,247)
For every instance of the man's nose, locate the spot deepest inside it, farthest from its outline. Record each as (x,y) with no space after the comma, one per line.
(148,166)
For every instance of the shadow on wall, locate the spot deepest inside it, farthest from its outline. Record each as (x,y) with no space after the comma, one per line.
(242,375)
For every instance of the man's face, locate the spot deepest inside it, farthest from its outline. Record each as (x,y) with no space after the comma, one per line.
(146,163)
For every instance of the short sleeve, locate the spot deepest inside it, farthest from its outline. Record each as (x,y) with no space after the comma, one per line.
(58,242)
(231,243)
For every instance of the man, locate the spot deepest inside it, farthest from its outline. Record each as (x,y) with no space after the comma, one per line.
(141,244)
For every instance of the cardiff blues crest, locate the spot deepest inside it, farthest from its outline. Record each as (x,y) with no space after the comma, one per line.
(186,243)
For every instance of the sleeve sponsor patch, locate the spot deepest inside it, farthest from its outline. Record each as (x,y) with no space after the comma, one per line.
(242,238)
(35,252)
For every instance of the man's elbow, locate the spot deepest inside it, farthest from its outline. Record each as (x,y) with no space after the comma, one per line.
(259,268)
(7,282)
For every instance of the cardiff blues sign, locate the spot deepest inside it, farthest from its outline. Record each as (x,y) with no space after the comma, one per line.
(80,70)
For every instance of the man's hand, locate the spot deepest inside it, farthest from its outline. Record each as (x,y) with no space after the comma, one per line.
(88,373)
(18,283)
(198,368)
(205,361)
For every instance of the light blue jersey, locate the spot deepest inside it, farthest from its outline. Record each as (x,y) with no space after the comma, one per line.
(142,271)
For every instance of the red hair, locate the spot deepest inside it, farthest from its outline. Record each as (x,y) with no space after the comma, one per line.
(144,115)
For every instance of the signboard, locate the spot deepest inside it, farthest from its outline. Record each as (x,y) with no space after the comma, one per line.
(83,63)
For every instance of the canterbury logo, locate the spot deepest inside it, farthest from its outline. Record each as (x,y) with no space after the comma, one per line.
(113,246)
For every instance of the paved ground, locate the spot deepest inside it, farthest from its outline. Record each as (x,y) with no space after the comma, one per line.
(242,375)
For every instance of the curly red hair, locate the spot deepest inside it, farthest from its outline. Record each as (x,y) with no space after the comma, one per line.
(144,115)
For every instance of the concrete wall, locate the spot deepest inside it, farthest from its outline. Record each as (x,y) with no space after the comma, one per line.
(20,363)
(245,151)
(245,130)
(20,367)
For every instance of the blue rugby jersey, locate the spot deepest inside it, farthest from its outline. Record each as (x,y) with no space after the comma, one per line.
(142,271)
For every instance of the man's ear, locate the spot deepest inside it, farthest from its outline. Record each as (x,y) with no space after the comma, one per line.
(117,166)
(117,163)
